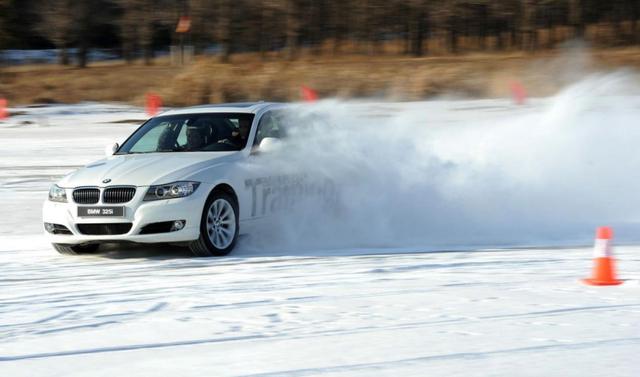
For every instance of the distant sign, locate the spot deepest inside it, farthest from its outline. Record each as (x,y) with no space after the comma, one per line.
(184,24)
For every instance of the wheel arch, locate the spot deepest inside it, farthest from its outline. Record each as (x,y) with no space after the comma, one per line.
(227,189)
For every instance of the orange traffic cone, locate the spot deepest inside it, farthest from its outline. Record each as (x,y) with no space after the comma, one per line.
(153,104)
(604,271)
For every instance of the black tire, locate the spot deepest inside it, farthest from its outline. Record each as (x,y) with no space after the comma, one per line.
(76,249)
(203,247)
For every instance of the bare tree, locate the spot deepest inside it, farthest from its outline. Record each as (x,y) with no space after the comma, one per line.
(266,29)
(57,23)
(292,14)
(3,23)
(528,25)
(129,28)
(137,25)
(576,19)
(635,20)
(224,29)
(417,22)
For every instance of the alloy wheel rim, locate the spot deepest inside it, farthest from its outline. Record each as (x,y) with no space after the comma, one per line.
(221,223)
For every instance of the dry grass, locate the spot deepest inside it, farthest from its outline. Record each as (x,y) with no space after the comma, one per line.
(247,77)
(100,82)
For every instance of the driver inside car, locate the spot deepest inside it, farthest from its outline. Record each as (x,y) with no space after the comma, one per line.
(239,138)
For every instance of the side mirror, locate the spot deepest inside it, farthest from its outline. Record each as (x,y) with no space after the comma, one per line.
(269,144)
(109,150)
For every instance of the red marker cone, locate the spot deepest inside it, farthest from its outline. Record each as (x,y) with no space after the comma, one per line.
(604,272)
(308,94)
(153,104)
(518,92)
(4,113)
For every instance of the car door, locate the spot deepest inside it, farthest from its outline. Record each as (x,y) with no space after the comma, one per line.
(262,186)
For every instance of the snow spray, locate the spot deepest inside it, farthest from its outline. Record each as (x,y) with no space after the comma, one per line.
(483,173)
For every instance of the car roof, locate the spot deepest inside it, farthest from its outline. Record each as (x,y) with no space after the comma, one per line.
(239,107)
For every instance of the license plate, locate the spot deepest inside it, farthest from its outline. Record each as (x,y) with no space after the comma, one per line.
(100,211)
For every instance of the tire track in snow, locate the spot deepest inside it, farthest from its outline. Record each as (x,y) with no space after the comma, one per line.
(131,347)
(377,366)
(331,333)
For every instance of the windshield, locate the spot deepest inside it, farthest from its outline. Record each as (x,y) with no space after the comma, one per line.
(190,133)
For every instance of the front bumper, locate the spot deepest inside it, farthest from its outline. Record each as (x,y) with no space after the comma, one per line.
(137,212)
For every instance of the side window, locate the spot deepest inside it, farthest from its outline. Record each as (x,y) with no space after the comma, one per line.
(269,126)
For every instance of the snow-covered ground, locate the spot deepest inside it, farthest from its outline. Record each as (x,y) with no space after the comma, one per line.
(274,309)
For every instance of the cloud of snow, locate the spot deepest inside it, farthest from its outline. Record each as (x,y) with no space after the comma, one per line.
(448,174)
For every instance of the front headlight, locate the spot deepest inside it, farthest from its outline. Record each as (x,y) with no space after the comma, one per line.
(57,194)
(171,190)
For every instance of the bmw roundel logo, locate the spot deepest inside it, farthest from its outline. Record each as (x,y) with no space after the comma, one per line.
(106,180)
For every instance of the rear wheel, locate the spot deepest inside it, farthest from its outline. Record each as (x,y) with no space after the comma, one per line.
(219,226)
(75,249)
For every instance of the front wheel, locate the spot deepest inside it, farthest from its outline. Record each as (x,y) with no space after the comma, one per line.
(75,249)
(219,226)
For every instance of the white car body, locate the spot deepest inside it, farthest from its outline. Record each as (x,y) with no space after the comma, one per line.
(213,170)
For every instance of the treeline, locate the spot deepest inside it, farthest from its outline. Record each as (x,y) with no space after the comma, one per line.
(283,28)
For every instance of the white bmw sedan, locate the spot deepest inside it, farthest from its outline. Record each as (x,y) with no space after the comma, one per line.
(174,180)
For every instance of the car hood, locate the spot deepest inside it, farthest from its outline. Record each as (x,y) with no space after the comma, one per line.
(144,169)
